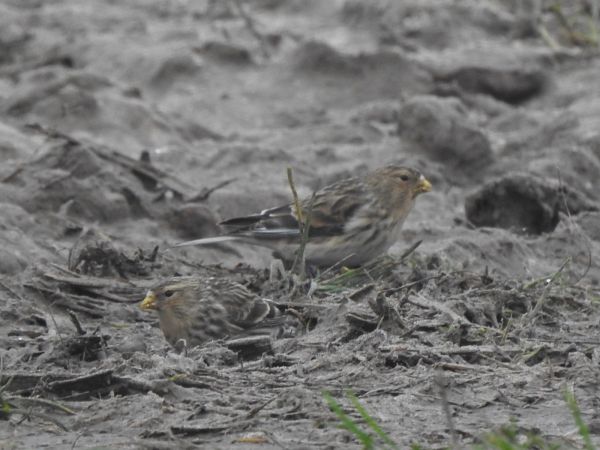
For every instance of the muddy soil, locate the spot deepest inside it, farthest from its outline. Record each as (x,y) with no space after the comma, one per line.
(128,126)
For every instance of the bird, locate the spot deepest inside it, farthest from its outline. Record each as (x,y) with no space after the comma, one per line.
(193,310)
(351,221)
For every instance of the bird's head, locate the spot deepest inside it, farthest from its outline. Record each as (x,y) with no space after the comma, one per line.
(397,187)
(172,295)
(400,182)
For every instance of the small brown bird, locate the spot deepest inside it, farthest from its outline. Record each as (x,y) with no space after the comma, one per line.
(352,221)
(194,310)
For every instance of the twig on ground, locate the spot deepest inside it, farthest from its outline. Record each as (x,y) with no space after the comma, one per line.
(532,315)
(410,250)
(297,207)
(420,300)
(76,323)
(335,265)
(250,24)
(70,264)
(254,411)
(576,37)
(51,314)
(28,414)
(413,283)
(79,435)
(79,303)
(85,280)
(11,291)
(547,38)
(42,401)
(208,191)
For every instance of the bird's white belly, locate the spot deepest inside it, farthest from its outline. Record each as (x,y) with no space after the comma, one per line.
(353,251)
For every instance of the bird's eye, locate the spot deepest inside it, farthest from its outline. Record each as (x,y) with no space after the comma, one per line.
(404,177)
(169,293)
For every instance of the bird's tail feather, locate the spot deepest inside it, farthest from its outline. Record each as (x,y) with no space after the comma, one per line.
(209,240)
(241,222)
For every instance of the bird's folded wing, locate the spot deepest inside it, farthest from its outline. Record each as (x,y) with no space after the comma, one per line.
(253,312)
(334,207)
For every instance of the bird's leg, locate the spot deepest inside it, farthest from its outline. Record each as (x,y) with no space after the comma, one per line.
(312,271)
(181,347)
(294,324)
(276,271)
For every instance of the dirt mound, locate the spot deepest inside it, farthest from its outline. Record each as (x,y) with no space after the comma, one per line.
(524,204)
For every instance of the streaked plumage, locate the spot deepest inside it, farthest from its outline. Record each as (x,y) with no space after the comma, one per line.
(198,309)
(352,221)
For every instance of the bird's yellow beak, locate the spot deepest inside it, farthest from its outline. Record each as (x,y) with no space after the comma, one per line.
(149,301)
(423,185)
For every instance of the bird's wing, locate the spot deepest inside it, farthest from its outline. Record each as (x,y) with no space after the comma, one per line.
(274,222)
(243,307)
(260,313)
(333,207)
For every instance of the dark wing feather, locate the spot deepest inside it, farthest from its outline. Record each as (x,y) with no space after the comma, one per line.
(334,206)
(279,218)
(260,314)
(241,223)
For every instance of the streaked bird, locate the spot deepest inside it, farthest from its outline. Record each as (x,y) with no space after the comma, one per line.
(193,310)
(352,221)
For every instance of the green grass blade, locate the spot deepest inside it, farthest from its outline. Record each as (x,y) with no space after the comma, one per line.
(584,430)
(370,421)
(348,423)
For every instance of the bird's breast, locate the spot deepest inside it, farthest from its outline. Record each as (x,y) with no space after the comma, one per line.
(173,327)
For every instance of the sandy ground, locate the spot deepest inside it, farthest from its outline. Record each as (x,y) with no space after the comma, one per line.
(127,126)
